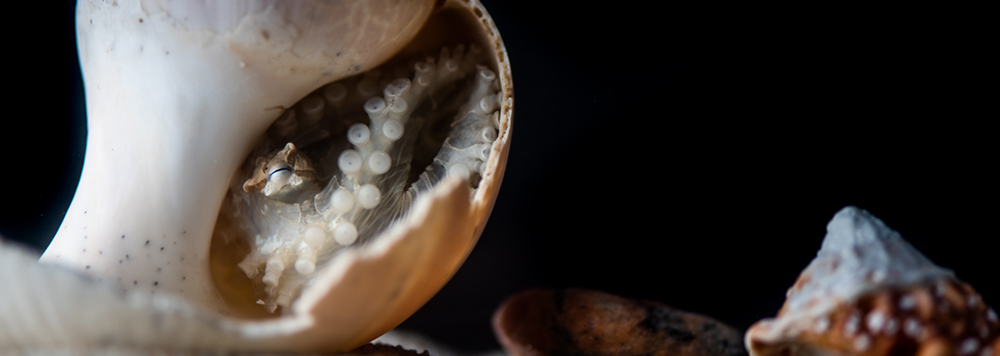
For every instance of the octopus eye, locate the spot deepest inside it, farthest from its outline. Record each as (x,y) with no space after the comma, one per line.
(280,176)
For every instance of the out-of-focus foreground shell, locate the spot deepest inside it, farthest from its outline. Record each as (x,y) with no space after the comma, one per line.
(869,292)
(136,273)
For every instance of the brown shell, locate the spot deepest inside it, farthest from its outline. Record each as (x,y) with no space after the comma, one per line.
(585,322)
(868,292)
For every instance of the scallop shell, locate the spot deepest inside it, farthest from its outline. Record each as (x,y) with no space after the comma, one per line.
(177,98)
(869,292)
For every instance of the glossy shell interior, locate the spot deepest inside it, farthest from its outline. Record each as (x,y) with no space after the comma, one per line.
(366,291)
(453,24)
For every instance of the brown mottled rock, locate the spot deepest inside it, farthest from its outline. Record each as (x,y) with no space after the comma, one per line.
(585,322)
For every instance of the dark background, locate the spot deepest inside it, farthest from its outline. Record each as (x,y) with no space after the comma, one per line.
(687,155)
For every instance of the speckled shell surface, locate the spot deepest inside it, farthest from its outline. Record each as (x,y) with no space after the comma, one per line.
(869,292)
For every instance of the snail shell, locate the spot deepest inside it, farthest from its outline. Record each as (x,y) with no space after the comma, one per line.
(179,98)
(869,292)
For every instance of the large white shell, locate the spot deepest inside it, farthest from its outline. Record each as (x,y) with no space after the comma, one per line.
(175,102)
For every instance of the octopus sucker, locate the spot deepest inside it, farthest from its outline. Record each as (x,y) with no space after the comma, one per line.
(869,292)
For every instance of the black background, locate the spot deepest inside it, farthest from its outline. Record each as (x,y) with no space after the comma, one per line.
(687,155)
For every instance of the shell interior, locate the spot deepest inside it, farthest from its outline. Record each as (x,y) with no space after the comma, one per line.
(347,161)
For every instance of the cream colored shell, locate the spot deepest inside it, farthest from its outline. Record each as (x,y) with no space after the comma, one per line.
(176,97)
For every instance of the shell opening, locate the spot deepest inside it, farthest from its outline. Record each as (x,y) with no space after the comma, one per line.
(350,163)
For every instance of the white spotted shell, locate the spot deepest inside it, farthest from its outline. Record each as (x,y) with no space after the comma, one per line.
(869,292)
